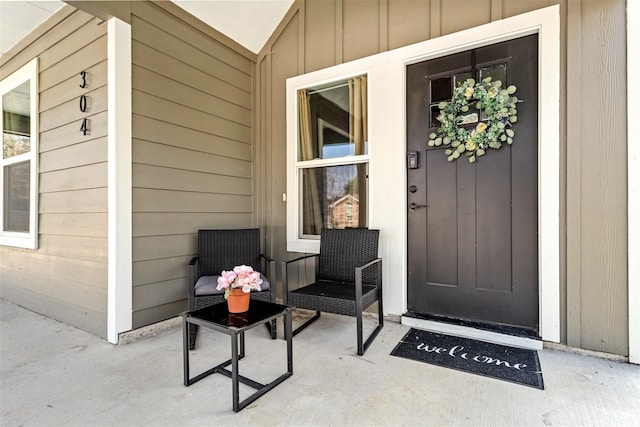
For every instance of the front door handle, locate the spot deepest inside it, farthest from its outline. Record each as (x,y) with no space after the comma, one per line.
(413,207)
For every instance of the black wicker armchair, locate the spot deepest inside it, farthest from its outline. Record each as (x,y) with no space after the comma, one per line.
(348,279)
(220,250)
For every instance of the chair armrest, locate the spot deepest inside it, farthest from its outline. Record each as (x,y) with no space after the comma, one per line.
(378,263)
(369,264)
(300,258)
(266,257)
(285,270)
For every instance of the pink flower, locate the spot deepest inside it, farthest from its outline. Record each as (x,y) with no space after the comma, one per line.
(226,279)
(242,276)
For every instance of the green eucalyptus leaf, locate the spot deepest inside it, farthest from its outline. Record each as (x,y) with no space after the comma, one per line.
(460,148)
(446,140)
(472,159)
(431,143)
(511,90)
(442,105)
(454,144)
(450,158)
(438,142)
(510,133)
(513,119)
(448,151)
(509,141)
(464,108)
(480,152)
(456,154)
(433,135)
(503,137)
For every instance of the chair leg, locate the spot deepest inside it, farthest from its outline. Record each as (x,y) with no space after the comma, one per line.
(305,324)
(272,328)
(193,332)
(360,347)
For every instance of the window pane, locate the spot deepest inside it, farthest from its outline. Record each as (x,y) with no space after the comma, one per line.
(16,107)
(16,197)
(333,120)
(459,78)
(496,72)
(440,89)
(334,197)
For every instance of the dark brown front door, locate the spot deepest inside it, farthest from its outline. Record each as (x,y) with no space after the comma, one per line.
(472,228)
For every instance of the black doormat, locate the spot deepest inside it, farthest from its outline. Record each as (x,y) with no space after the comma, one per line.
(513,364)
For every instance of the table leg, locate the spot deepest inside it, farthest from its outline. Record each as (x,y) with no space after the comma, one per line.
(234,371)
(185,350)
(289,336)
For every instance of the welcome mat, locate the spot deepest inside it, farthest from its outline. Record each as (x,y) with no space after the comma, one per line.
(513,364)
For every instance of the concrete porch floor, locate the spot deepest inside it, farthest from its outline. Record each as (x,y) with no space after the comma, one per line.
(53,374)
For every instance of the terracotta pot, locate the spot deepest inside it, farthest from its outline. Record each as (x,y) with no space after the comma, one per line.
(238,301)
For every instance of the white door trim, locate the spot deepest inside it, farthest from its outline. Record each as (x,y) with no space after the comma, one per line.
(545,22)
(119,299)
(387,135)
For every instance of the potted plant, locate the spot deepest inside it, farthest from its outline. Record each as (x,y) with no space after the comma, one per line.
(238,284)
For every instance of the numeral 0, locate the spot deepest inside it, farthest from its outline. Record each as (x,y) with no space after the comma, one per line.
(83,103)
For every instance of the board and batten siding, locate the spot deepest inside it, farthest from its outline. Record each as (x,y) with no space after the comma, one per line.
(66,277)
(316,34)
(192,148)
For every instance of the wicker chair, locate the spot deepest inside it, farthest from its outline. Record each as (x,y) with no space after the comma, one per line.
(348,279)
(220,250)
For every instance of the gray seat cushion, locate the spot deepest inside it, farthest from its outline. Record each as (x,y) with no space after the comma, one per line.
(206,285)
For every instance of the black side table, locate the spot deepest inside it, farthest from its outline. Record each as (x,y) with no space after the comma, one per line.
(217,317)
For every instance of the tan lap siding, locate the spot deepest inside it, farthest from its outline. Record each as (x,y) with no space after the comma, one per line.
(192,148)
(66,277)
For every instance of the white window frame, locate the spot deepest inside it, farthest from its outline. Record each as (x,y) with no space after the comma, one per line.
(28,240)
(296,241)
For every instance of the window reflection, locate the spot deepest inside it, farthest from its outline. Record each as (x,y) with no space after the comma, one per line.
(340,192)
(16,127)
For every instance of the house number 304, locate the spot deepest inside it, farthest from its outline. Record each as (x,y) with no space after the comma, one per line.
(84,128)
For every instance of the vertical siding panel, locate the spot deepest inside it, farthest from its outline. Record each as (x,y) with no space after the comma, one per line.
(319,34)
(436,18)
(361,29)
(283,64)
(604,265)
(512,8)
(383,25)
(496,10)
(458,15)
(403,14)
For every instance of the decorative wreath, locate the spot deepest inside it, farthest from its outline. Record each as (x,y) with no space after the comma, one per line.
(498,108)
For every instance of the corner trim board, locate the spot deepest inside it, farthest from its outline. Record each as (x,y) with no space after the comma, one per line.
(119,268)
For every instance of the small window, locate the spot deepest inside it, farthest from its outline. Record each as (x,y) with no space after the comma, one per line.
(332,156)
(18,179)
